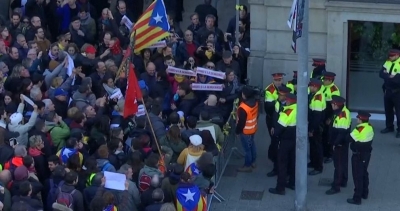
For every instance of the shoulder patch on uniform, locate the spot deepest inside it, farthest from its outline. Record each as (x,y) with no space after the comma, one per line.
(271,88)
(342,115)
(334,88)
(288,111)
(360,128)
(318,97)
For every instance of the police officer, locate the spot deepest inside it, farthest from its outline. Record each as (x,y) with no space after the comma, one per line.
(339,130)
(273,147)
(319,68)
(391,88)
(246,127)
(285,132)
(330,89)
(292,84)
(361,145)
(271,95)
(316,112)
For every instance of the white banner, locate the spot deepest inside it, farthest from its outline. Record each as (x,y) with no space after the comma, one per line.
(207,87)
(211,73)
(160,44)
(179,71)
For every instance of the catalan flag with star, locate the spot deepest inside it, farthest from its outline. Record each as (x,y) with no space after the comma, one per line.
(151,27)
(189,198)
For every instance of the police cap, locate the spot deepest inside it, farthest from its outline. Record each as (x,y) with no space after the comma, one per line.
(362,115)
(291,98)
(329,76)
(315,82)
(277,75)
(394,52)
(337,100)
(318,62)
(283,90)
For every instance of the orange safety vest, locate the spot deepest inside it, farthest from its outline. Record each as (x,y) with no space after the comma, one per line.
(250,127)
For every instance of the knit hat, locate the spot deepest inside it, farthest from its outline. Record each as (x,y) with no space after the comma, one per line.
(21,173)
(196,140)
(15,118)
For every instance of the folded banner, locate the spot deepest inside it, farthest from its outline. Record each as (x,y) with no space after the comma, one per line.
(207,87)
(160,44)
(211,73)
(179,71)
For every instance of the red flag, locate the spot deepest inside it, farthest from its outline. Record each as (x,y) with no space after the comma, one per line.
(133,93)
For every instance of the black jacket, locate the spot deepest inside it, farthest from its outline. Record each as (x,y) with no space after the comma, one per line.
(33,203)
(187,104)
(77,196)
(205,9)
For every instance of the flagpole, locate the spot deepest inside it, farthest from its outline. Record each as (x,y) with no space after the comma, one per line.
(128,60)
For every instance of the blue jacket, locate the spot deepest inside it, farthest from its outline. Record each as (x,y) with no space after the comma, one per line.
(64,13)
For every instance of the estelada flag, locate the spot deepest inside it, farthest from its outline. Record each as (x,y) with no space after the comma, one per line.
(133,93)
(189,198)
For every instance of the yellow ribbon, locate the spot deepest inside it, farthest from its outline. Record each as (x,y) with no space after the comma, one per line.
(239,7)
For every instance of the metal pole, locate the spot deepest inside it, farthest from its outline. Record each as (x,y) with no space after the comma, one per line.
(237,23)
(302,112)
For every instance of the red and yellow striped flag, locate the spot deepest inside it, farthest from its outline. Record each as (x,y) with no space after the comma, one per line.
(151,27)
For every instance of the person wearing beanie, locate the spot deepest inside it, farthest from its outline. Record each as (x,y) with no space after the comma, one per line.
(339,131)
(285,133)
(361,145)
(192,153)
(17,124)
(246,127)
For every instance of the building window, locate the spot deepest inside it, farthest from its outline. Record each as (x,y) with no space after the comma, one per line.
(369,43)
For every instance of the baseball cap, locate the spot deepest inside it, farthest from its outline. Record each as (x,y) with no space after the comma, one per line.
(59,92)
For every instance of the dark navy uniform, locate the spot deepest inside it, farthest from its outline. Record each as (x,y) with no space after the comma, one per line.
(273,147)
(391,88)
(361,145)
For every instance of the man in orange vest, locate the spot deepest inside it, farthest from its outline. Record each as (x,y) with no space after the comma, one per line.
(246,127)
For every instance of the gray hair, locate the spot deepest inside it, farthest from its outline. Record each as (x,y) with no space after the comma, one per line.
(109,63)
(20,151)
(35,93)
(16,71)
(158,195)
(167,207)
(35,141)
(27,62)
(20,36)
(124,169)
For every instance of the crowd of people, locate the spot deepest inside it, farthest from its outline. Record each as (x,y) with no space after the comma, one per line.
(62,126)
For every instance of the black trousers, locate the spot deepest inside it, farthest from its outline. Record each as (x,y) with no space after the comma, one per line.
(392,101)
(286,163)
(326,146)
(270,124)
(316,151)
(273,152)
(359,164)
(341,164)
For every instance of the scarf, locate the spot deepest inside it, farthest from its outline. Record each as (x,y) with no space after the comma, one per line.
(34,152)
(179,78)
(52,57)
(110,208)
(83,19)
(116,48)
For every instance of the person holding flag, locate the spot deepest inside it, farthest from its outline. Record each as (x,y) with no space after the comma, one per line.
(188,195)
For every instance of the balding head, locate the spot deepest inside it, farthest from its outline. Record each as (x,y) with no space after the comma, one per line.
(5,177)
(151,68)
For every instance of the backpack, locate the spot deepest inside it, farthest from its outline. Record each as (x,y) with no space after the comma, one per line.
(105,166)
(144,182)
(52,195)
(65,199)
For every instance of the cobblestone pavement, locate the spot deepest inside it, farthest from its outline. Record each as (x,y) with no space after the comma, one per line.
(238,188)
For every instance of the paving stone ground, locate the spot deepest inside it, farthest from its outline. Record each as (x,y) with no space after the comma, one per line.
(384,181)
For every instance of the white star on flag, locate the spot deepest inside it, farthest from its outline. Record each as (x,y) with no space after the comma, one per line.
(189,196)
(197,171)
(158,18)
